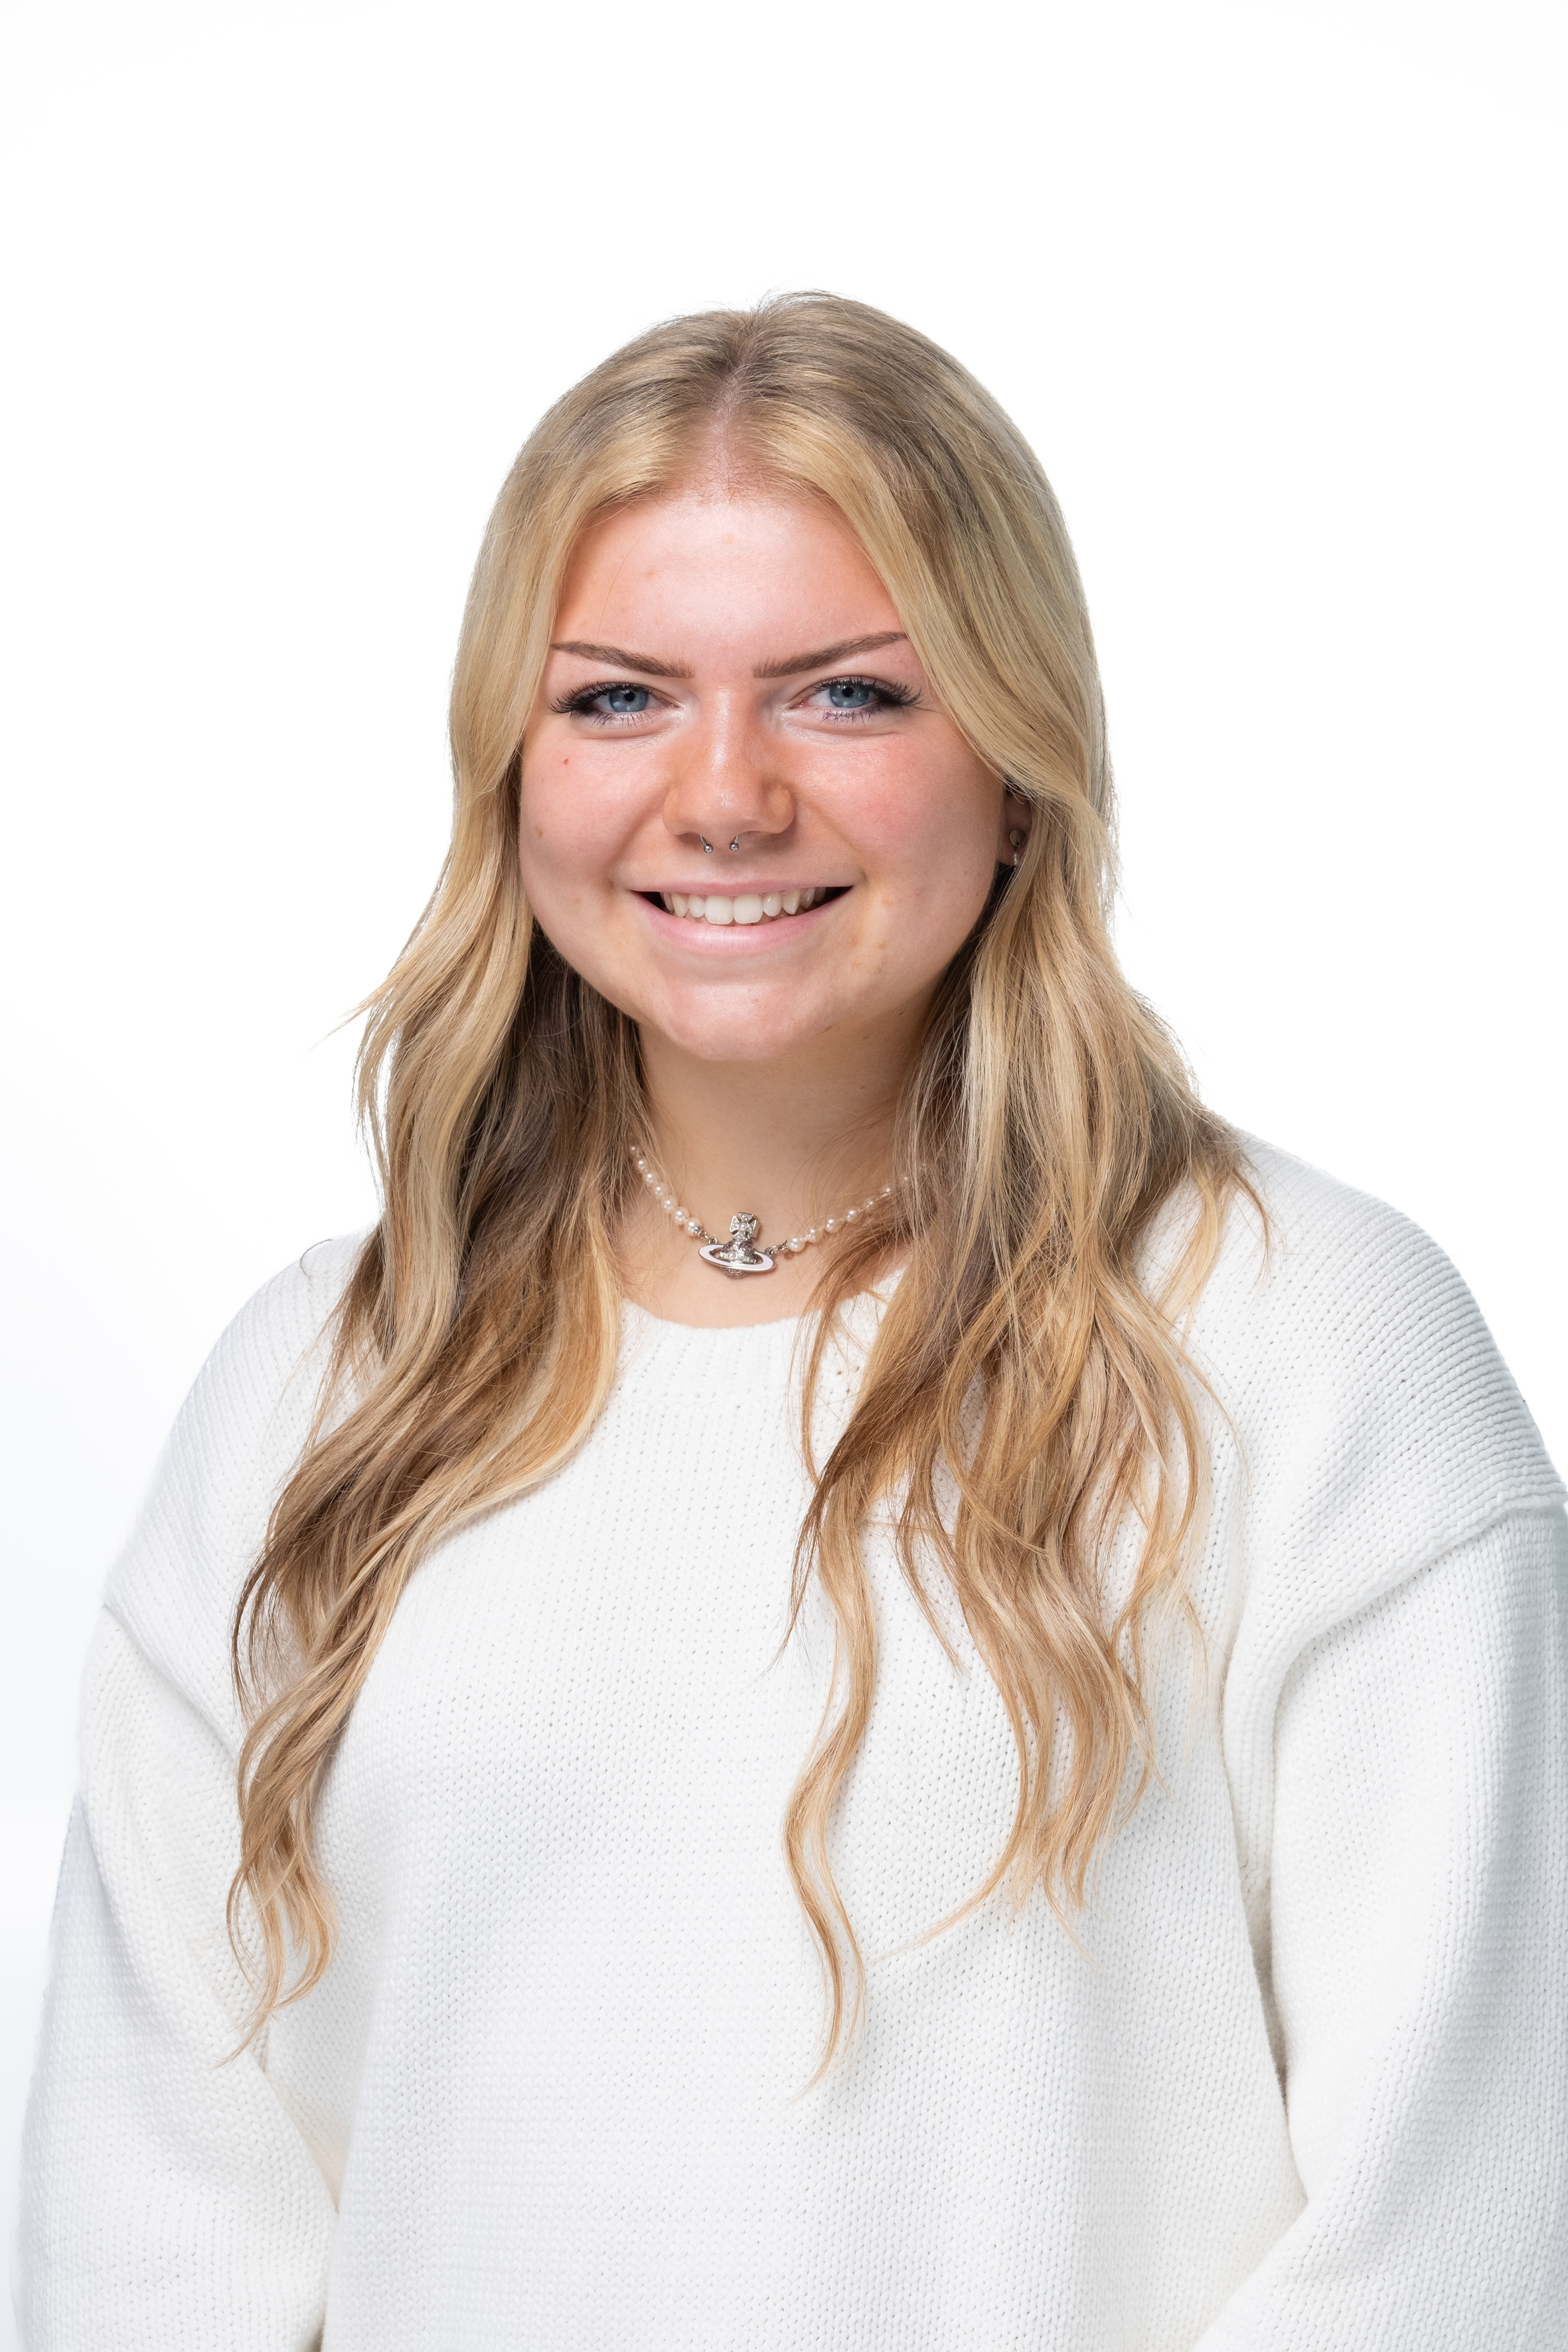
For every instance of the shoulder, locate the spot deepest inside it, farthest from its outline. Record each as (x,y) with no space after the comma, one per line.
(1377,1423)
(1313,1263)
(232,1448)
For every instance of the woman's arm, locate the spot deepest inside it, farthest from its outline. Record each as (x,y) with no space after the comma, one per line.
(170,2201)
(1418,1909)
(169,2198)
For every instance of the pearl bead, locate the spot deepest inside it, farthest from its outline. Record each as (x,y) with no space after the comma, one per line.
(693,1226)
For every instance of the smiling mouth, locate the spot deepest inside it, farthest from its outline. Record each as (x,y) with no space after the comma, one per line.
(745,907)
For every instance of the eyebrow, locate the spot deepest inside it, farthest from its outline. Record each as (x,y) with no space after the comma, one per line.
(826,654)
(619,658)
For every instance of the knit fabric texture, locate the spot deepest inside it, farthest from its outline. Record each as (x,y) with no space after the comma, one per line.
(1297,2080)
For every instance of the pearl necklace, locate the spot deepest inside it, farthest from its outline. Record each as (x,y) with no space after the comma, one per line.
(736,1255)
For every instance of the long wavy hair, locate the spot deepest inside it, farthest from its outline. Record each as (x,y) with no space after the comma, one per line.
(1027,1390)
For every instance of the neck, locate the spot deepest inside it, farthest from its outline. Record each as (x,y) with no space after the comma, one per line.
(793,1140)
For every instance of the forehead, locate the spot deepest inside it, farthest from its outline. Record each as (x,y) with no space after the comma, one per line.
(731,569)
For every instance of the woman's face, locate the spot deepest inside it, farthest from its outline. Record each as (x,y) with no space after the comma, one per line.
(731,669)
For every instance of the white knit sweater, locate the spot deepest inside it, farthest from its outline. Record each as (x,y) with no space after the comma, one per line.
(1302,2084)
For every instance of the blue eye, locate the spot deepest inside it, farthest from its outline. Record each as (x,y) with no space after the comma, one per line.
(614,700)
(860,697)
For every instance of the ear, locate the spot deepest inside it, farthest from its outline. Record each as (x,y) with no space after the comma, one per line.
(1013,832)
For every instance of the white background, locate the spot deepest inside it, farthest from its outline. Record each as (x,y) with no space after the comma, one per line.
(1273,289)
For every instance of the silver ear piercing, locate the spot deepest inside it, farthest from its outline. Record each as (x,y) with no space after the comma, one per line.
(707,845)
(1016,842)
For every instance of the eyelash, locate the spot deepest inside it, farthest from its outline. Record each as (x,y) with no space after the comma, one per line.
(580,704)
(888,698)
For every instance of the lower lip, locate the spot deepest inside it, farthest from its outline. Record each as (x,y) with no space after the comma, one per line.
(704,938)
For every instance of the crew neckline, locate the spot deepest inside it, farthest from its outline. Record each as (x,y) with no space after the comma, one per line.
(668,1322)
(655,1351)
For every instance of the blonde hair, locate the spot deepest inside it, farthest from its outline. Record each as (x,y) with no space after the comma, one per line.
(1046,1119)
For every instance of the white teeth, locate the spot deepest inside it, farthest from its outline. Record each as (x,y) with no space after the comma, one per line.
(750,906)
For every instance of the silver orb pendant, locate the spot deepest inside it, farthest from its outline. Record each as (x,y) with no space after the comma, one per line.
(736,1255)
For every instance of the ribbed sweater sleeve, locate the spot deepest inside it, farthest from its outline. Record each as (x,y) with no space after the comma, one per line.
(169,2201)
(210,2223)
(1396,1731)
(1419,1908)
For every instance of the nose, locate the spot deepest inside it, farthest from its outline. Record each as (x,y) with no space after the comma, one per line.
(726,787)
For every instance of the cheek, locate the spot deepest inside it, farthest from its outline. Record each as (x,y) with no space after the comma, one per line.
(931,827)
(562,830)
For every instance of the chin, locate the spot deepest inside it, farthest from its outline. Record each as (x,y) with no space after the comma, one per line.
(733,1033)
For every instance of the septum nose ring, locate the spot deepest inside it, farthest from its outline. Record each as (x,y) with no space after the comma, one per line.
(707,846)
(736,843)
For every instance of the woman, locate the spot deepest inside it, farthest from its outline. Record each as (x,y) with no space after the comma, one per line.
(883,1690)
